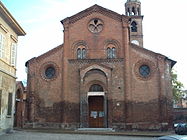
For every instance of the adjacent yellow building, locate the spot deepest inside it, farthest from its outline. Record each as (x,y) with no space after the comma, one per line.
(9,32)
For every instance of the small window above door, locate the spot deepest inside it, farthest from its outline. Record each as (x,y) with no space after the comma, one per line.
(96,88)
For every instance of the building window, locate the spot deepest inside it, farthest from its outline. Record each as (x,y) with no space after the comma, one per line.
(2,46)
(13,54)
(50,72)
(111,52)
(144,71)
(81,53)
(9,112)
(133,11)
(133,26)
(128,12)
(96,88)
(139,12)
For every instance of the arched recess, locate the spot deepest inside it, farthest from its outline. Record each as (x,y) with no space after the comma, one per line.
(18,117)
(93,75)
(96,88)
(103,69)
(134,27)
(80,44)
(113,44)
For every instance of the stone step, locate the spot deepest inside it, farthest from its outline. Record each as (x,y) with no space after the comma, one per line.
(96,129)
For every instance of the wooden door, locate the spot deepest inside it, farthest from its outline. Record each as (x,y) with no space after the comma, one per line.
(96,111)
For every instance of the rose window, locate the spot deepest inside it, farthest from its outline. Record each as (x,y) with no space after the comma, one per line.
(95,25)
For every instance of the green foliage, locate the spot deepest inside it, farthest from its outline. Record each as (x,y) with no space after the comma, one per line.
(176,86)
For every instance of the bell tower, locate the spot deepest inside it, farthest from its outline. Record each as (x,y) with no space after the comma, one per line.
(133,10)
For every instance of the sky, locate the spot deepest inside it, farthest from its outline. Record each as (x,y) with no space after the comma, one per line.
(164,27)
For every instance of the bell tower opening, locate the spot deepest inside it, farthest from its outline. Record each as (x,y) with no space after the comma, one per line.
(133,10)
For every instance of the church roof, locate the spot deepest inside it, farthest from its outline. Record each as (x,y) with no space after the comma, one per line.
(92,9)
(45,54)
(146,51)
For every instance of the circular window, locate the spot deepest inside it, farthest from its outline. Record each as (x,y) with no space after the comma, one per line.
(136,42)
(50,72)
(144,71)
(95,25)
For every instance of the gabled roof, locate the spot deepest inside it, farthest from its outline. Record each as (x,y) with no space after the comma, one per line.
(45,54)
(141,49)
(5,14)
(52,51)
(92,9)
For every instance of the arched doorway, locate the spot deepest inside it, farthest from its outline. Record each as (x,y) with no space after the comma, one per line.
(18,110)
(96,106)
(94,81)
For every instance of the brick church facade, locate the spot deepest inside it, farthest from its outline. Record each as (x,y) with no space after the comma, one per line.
(101,76)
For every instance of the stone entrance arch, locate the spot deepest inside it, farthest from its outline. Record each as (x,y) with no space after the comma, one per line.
(94,75)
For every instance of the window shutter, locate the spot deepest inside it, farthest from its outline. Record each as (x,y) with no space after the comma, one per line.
(2,46)
(13,54)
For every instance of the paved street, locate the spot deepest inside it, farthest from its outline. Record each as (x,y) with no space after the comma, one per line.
(22,135)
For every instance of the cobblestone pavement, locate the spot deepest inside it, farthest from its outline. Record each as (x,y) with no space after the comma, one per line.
(22,135)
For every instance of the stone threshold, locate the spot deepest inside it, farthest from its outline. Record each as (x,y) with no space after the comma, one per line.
(96,129)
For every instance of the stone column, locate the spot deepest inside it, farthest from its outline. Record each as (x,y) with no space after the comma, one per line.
(127,72)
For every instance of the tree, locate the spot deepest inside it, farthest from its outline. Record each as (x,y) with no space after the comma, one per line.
(176,86)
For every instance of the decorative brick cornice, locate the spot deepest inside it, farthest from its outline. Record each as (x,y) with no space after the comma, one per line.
(112,41)
(125,18)
(157,56)
(92,9)
(79,43)
(52,51)
(95,65)
(143,50)
(82,61)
